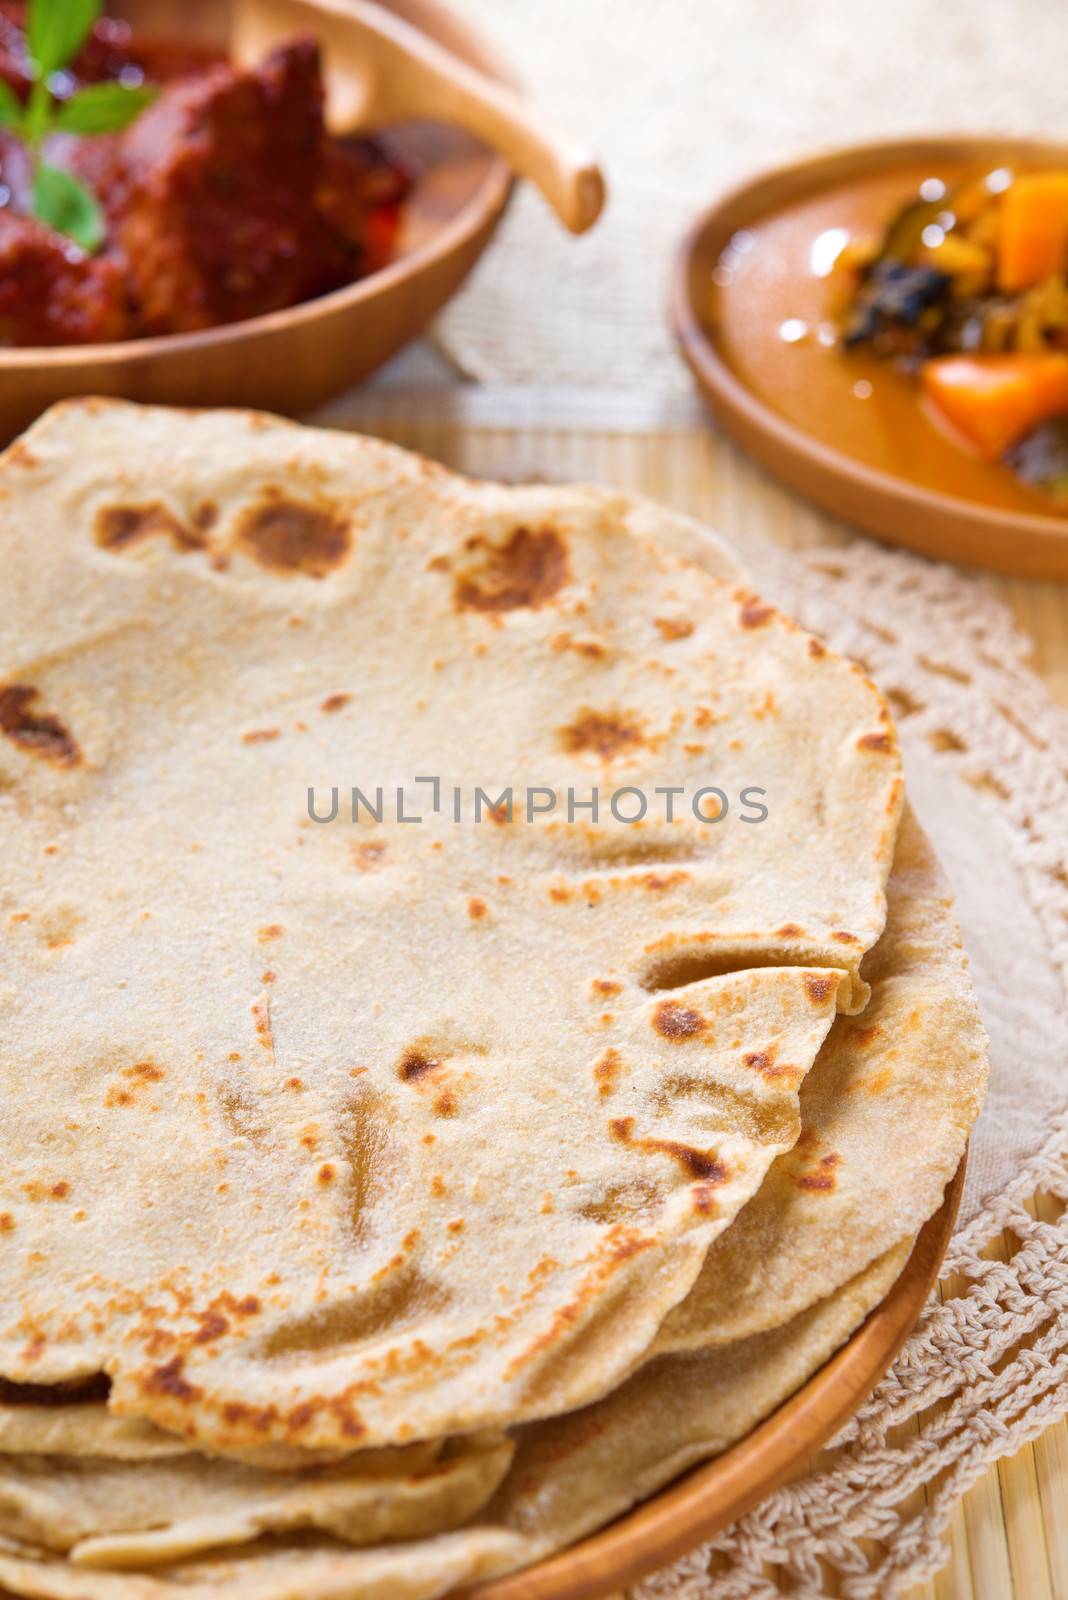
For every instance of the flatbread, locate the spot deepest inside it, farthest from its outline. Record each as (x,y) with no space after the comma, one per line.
(570,1475)
(115,1514)
(83,1430)
(885,1115)
(340,1136)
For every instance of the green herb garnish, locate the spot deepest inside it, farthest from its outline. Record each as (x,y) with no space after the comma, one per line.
(55,32)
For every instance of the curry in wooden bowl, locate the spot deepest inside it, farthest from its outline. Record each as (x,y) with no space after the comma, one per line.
(886,328)
(174,191)
(188,220)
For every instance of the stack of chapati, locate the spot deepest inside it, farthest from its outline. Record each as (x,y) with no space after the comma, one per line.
(386,1203)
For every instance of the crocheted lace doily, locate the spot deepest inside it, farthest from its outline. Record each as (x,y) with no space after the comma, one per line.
(986,753)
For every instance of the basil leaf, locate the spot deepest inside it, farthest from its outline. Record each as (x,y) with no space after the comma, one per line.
(67,205)
(10,106)
(56,31)
(37,113)
(101,108)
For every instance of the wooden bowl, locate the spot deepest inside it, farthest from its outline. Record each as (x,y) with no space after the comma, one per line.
(289,361)
(710,1497)
(1033,545)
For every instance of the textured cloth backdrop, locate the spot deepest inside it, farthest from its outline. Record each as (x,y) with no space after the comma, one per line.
(679,98)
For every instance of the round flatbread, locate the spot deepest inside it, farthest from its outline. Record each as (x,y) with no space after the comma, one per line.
(570,1475)
(115,1514)
(339,1134)
(885,1114)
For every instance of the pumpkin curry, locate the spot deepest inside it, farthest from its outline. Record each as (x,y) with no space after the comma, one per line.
(918,321)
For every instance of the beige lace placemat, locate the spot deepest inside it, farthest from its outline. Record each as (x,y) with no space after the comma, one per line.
(987,1368)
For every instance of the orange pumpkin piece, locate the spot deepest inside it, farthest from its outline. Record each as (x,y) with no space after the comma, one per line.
(1033,236)
(994,401)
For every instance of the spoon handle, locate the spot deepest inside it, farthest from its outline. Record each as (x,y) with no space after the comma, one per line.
(380,69)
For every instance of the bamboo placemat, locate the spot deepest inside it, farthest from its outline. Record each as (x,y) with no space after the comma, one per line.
(1009,1535)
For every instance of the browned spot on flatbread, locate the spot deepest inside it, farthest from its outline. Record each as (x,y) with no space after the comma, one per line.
(819,986)
(881,742)
(168,1380)
(138,1075)
(754,613)
(821,1179)
(476,909)
(37,1189)
(864,1034)
(603,733)
(789,930)
(270,930)
(261,735)
(605,1072)
(119,527)
(335,702)
(212,1326)
(295,536)
(674,627)
(144,1072)
(605,986)
(876,1084)
(261,1016)
(674,1021)
(659,881)
(763,1061)
(39,733)
(369,854)
(701,1164)
(588,645)
(414,1064)
(816,649)
(526,571)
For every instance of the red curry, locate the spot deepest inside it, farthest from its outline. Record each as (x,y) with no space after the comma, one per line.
(225,199)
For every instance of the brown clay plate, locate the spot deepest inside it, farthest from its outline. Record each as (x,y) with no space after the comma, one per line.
(867,453)
(291,360)
(712,1496)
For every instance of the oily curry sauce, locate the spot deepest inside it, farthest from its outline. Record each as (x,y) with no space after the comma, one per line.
(773,318)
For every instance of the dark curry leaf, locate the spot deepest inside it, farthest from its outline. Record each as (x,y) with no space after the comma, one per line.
(1041,459)
(56,31)
(102,108)
(68,206)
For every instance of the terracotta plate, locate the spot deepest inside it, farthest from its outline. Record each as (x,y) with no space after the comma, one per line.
(291,360)
(710,1497)
(1028,544)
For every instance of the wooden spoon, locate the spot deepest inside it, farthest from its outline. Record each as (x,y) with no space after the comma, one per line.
(380,69)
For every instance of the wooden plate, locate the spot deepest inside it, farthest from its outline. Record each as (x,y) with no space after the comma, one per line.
(291,360)
(709,1498)
(1027,544)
